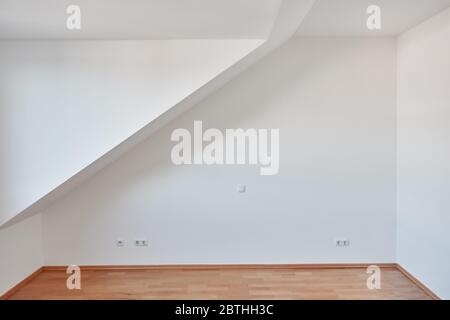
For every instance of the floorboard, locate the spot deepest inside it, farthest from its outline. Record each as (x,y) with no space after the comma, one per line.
(222,284)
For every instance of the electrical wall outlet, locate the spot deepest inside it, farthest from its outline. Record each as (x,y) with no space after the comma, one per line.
(120,242)
(342,242)
(141,242)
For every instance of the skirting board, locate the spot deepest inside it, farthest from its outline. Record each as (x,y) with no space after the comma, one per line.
(221,266)
(417,282)
(21,284)
(430,293)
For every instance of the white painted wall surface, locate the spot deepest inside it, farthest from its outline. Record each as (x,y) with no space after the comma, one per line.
(334,101)
(424,153)
(20,251)
(63,104)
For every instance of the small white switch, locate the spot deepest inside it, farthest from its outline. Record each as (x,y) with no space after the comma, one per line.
(241,188)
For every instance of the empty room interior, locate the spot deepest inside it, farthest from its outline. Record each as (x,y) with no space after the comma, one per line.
(225,149)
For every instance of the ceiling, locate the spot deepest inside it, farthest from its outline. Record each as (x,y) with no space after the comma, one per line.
(348,17)
(202,19)
(139,19)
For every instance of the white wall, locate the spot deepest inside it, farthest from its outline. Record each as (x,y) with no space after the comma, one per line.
(20,251)
(334,101)
(424,154)
(63,104)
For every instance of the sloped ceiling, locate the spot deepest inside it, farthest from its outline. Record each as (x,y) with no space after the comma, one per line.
(139,19)
(348,17)
(290,15)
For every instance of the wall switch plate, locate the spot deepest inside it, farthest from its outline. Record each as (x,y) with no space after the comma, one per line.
(241,188)
(141,242)
(342,242)
(120,242)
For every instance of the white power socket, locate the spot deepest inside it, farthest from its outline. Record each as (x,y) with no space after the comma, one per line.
(342,242)
(120,242)
(141,243)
